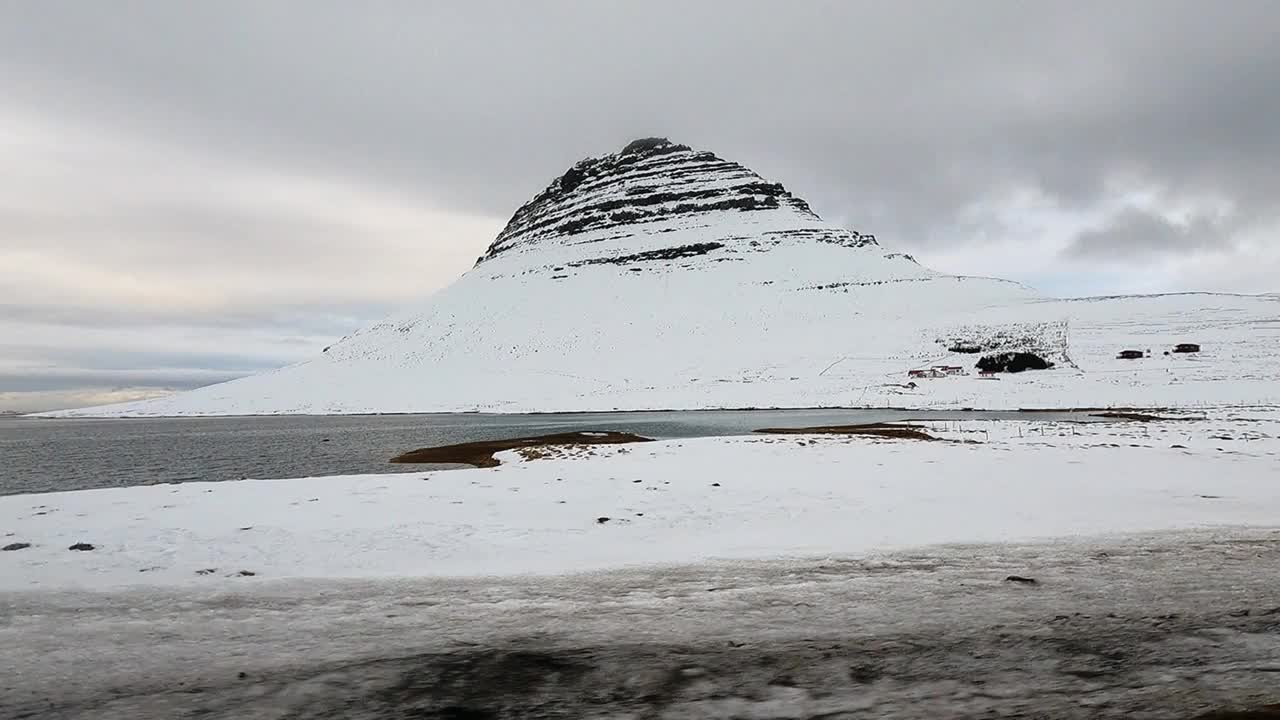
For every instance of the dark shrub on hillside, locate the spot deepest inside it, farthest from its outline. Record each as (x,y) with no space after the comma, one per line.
(1013,362)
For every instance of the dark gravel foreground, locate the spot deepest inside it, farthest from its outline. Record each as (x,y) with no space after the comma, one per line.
(1174,626)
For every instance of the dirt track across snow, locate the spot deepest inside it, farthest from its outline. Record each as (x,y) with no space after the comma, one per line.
(1170,626)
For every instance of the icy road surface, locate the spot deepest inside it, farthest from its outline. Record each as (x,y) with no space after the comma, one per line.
(1168,626)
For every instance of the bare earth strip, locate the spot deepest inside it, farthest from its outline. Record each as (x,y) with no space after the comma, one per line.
(1159,626)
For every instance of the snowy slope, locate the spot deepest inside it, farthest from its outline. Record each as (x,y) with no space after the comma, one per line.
(664,277)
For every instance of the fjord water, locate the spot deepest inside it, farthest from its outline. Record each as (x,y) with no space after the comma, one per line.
(41,455)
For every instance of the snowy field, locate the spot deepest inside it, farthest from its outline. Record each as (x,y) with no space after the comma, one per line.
(781,343)
(681,501)
(798,576)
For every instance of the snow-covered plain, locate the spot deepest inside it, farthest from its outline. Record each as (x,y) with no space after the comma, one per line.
(648,286)
(671,502)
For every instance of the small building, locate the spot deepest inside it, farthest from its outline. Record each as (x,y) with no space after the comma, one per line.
(949,369)
(1129,355)
(1186,348)
(930,373)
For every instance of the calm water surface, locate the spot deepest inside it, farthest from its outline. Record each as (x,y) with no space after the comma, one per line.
(43,455)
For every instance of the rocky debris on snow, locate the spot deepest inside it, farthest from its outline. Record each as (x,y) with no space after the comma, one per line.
(82,546)
(15,546)
(1022,580)
(1046,339)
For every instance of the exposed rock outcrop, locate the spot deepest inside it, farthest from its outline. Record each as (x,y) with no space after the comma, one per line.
(655,180)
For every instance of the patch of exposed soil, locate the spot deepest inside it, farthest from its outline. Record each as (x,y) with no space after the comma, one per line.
(1137,416)
(886,430)
(480,454)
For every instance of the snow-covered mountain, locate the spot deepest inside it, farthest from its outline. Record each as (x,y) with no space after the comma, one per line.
(666,277)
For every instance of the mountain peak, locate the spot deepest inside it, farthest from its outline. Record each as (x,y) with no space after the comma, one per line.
(653,185)
(641,146)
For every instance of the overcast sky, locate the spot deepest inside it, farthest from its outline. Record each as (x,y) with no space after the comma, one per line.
(194,191)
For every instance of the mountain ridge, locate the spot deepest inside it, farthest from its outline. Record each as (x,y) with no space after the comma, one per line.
(664,277)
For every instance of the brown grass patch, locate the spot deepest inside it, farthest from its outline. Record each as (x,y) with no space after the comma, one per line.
(480,453)
(885,430)
(1136,416)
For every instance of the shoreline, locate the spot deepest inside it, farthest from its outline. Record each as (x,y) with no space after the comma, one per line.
(595,507)
(52,414)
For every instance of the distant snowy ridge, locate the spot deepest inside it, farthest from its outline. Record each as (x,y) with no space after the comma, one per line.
(662,277)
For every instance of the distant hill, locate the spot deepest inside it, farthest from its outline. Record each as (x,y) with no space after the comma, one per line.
(663,277)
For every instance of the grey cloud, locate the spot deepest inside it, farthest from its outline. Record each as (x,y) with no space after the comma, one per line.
(1135,233)
(26,382)
(897,115)
(44,400)
(64,361)
(301,320)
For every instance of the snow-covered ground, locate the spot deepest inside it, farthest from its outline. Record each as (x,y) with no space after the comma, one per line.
(781,576)
(730,337)
(671,502)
